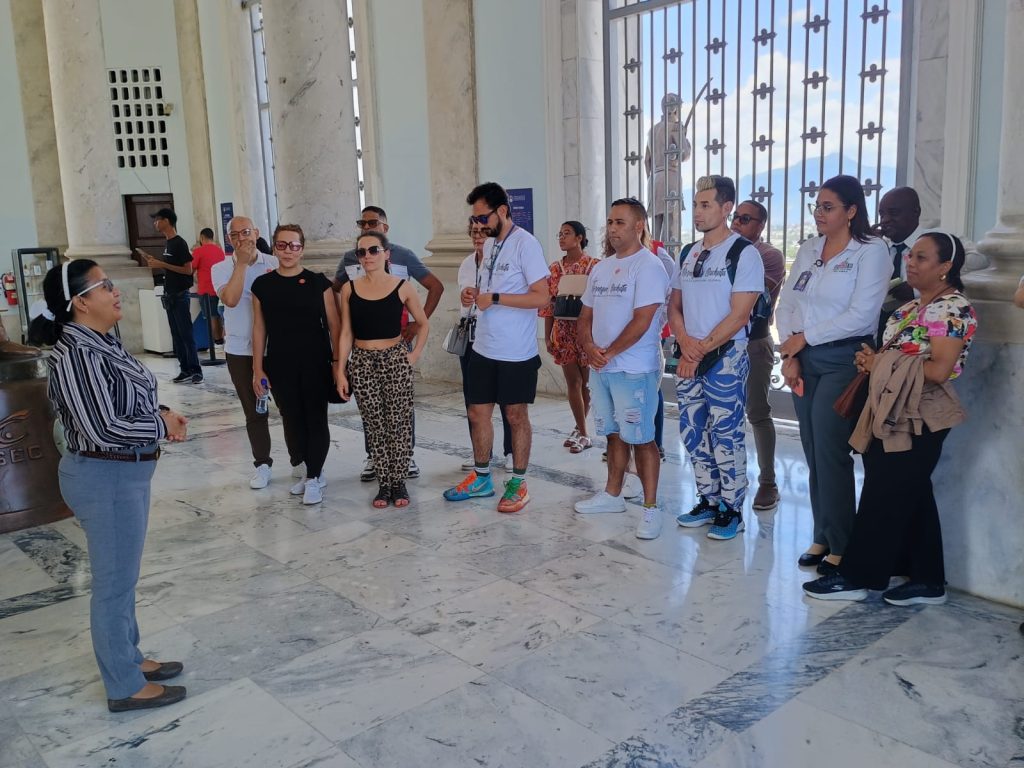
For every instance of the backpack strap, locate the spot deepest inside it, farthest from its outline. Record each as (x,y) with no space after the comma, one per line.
(732,258)
(685,252)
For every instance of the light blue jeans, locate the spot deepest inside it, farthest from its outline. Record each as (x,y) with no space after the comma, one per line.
(111,501)
(625,404)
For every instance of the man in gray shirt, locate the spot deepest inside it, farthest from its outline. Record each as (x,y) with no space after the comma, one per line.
(403,263)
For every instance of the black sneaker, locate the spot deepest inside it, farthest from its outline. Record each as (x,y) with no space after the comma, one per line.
(913,593)
(197,378)
(661,453)
(703,513)
(834,587)
(182,378)
(727,524)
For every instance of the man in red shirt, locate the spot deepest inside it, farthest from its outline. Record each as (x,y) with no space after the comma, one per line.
(204,257)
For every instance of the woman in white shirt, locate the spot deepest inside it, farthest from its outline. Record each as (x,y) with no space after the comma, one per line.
(828,308)
(469,277)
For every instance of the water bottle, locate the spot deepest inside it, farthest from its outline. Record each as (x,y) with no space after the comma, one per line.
(263,400)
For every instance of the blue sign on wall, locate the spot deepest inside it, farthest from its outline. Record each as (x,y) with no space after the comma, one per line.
(521,202)
(227,213)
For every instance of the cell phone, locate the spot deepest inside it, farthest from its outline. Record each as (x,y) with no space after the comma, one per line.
(798,388)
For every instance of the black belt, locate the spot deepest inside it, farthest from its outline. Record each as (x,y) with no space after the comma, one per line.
(117,456)
(844,342)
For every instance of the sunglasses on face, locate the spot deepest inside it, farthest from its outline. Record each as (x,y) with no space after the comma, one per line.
(240,233)
(477,233)
(698,266)
(106,283)
(482,219)
(373,250)
(745,218)
(284,245)
(368,223)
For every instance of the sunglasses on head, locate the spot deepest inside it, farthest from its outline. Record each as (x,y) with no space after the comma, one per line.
(373,250)
(284,245)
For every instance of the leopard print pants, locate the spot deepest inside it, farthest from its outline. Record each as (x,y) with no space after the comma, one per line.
(381,380)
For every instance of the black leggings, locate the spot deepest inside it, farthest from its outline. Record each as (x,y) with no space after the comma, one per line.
(299,387)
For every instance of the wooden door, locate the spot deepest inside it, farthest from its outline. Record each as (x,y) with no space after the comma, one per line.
(141,233)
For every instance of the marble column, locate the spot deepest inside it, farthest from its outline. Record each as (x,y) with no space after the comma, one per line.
(197,127)
(309,73)
(40,135)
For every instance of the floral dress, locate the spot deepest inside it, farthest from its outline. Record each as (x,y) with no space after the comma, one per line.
(563,335)
(950,315)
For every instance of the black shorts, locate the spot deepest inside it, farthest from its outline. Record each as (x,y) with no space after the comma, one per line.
(501,382)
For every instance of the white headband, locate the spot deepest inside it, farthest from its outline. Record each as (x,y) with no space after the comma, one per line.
(64,282)
(952,240)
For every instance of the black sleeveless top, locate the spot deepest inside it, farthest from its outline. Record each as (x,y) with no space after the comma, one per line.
(375,319)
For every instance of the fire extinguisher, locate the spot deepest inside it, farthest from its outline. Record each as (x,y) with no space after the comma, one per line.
(10,289)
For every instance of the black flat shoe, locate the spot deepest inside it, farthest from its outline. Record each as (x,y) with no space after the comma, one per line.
(165,671)
(808,560)
(172,695)
(825,568)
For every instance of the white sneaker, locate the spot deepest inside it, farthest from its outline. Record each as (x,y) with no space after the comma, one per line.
(632,488)
(312,493)
(299,470)
(369,472)
(649,526)
(300,487)
(509,465)
(260,478)
(601,502)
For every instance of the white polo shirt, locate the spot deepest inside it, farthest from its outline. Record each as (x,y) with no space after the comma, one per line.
(238,319)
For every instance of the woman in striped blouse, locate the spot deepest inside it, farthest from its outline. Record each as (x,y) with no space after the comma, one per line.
(106,402)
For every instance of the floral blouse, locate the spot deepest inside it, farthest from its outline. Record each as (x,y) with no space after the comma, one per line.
(950,315)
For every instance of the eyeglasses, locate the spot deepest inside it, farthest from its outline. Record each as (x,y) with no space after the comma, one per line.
(474,232)
(373,250)
(240,233)
(106,283)
(825,208)
(698,265)
(482,219)
(368,223)
(745,218)
(284,245)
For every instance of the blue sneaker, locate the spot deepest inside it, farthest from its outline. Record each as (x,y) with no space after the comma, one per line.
(728,522)
(473,487)
(702,514)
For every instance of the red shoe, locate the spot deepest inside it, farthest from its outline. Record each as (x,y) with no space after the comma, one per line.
(515,497)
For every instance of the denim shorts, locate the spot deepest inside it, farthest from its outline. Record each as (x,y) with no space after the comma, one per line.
(625,404)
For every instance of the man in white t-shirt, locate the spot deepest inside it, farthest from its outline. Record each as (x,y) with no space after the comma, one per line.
(709,312)
(619,329)
(232,280)
(503,365)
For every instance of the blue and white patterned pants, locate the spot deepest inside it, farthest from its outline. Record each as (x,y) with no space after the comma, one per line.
(711,423)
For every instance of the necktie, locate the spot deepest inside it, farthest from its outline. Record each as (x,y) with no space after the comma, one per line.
(897,259)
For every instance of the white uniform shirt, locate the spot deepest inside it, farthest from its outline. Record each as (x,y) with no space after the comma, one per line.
(238,319)
(616,287)
(838,300)
(507,333)
(707,300)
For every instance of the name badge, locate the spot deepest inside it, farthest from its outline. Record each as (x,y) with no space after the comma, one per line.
(843,266)
(801,282)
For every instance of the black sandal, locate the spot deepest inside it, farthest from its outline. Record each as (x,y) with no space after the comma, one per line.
(383,497)
(400,495)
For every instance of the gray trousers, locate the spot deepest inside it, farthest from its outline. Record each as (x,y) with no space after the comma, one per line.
(826,372)
(111,501)
(759,412)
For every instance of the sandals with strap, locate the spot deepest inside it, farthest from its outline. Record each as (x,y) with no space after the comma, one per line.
(581,444)
(399,495)
(571,439)
(383,497)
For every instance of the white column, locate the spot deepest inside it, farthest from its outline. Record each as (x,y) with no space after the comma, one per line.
(85,135)
(313,121)
(992,289)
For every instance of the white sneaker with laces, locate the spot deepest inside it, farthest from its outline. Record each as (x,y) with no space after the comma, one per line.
(509,465)
(312,493)
(600,502)
(649,526)
(369,471)
(260,478)
(632,488)
(299,470)
(300,487)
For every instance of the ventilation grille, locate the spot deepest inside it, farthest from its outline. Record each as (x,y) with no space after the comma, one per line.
(140,118)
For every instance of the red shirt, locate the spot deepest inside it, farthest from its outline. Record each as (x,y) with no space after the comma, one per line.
(203,259)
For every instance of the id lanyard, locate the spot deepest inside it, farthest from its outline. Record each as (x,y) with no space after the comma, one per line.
(495,252)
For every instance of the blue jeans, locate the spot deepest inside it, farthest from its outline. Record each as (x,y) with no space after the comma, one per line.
(711,426)
(625,404)
(111,501)
(179,317)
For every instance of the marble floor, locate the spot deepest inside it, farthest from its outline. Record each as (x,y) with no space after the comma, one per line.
(449,635)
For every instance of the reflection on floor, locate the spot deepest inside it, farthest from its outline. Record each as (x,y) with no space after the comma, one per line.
(449,635)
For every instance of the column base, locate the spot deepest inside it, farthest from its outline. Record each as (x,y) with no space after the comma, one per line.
(449,247)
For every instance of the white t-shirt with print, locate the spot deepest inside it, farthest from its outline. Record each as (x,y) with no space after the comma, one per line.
(617,286)
(707,299)
(507,333)
(238,319)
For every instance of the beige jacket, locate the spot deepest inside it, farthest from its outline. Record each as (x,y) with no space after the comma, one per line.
(900,401)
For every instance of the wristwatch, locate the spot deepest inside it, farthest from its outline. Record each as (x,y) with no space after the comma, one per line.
(495,297)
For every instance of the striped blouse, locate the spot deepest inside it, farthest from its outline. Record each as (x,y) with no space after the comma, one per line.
(105,398)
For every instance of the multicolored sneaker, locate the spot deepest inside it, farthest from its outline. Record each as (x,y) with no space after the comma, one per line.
(515,496)
(474,486)
(703,513)
(728,523)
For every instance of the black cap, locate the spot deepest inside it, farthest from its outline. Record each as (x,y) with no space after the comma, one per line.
(166,213)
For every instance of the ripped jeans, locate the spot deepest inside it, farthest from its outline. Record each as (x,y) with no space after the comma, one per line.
(625,404)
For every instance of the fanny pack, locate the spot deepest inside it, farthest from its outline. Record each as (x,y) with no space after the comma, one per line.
(567,304)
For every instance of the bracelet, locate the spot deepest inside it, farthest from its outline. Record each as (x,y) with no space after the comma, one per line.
(163,408)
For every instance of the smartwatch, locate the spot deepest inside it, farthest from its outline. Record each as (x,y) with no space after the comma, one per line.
(494,298)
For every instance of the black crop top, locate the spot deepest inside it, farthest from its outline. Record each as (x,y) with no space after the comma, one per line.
(375,319)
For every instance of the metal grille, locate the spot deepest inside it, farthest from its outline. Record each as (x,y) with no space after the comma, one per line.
(778,95)
(139,117)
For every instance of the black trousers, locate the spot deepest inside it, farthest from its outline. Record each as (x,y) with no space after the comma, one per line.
(299,386)
(896,530)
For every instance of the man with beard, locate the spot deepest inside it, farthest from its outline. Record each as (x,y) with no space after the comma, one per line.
(713,292)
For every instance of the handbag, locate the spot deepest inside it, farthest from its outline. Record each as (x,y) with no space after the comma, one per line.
(460,335)
(568,303)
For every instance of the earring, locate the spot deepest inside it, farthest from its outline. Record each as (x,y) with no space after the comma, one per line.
(942,277)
